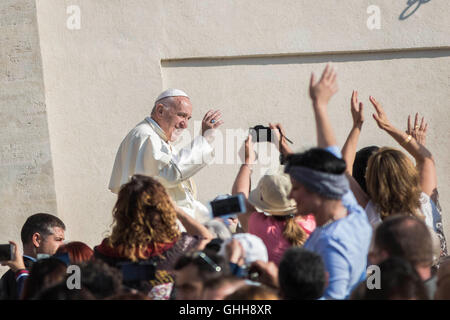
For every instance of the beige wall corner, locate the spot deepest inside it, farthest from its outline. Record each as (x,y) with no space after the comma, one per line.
(101,80)
(26,170)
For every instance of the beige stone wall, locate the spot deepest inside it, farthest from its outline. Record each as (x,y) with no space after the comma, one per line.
(275,89)
(250,58)
(26,173)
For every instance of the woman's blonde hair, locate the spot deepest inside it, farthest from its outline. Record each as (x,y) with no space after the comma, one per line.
(393,183)
(293,232)
(143,215)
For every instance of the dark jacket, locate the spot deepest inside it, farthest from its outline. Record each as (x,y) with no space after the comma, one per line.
(8,284)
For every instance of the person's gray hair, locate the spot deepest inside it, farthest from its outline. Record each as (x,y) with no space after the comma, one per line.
(167,97)
(167,102)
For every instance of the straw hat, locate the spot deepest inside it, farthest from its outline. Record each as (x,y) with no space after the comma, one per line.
(271,195)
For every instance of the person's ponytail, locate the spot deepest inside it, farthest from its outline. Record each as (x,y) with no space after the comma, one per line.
(294,233)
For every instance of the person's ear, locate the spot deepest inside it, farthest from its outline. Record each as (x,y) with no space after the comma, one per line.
(327,278)
(36,239)
(160,109)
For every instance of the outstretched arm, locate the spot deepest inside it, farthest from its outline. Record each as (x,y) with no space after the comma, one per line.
(193,227)
(349,149)
(242,183)
(424,159)
(188,161)
(426,167)
(321,92)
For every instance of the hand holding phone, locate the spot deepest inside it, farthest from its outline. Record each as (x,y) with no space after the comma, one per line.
(6,252)
(10,257)
(228,206)
(264,134)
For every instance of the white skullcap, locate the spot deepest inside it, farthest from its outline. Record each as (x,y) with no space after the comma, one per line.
(171,93)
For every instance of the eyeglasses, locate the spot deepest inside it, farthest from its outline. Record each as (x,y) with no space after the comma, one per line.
(208,260)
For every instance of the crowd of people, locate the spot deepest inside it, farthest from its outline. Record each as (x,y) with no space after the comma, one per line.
(328,223)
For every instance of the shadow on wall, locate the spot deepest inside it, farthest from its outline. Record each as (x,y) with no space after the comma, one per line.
(304,58)
(412,7)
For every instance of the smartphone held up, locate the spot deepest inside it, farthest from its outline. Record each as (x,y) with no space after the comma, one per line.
(226,206)
(6,252)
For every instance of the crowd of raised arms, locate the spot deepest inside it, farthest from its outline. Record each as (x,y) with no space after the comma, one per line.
(330,223)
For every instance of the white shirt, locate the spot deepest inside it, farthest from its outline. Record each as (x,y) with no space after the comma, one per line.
(147,151)
(427,207)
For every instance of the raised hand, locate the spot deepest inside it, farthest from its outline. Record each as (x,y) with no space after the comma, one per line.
(211,120)
(357,110)
(418,132)
(322,91)
(280,138)
(380,116)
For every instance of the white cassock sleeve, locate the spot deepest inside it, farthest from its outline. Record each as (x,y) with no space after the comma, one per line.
(155,159)
(144,152)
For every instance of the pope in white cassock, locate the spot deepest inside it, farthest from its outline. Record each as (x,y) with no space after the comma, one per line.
(147,150)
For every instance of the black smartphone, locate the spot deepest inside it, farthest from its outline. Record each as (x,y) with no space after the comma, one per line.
(228,206)
(6,252)
(261,134)
(135,272)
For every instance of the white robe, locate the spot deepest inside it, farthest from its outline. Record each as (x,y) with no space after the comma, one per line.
(147,151)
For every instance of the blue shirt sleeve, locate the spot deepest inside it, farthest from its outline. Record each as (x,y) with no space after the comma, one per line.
(334,150)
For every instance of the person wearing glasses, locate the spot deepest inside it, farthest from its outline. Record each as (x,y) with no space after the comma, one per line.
(145,232)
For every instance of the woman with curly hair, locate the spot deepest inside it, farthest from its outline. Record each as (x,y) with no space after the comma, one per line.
(145,236)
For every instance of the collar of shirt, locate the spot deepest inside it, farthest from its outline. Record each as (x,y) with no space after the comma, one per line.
(155,126)
(31,258)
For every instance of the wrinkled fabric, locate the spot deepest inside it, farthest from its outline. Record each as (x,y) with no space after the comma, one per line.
(343,245)
(146,150)
(329,185)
